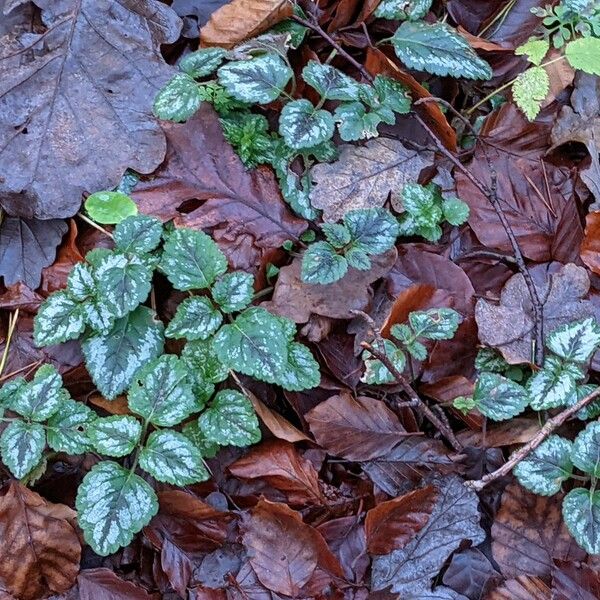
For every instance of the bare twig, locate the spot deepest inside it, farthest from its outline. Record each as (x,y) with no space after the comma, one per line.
(550,426)
(415,400)
(95,225)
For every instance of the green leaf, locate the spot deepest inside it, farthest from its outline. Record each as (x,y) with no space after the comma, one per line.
(330,82)
(21,446)
(373,230)
(113,505)
(436,48)
(203,62)
(230,420)
(115,436)
(337,235)
(200,358)
(584,54)
(544,470)
(464,403)
(10,389)
(109,208)
(192,260)
(173,458)
(301,371)
(81,284)
(592,410)
(581,512)
(498,397)
(256,344)
(260,80)
(140,234)
(401,10)
(355,123)
(98,316)
(553,385)
(178,100)
(59,318)
(124,282)
(322,264)
(114,358)
(193,432)
(529,90)
(196,319)
(586,450)
(435,323)
(358,259)
(67,427)
(535,50)
(233,291)
(41,397)
(376,372)
(304,126)
(577,341)
(161,392)
(456,212)
(417,199)
(391,95)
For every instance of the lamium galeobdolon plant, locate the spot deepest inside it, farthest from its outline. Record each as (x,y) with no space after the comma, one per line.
(560,383)
(178,417)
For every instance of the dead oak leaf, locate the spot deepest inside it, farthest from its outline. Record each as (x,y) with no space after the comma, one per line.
(40,547)
(364,177)
(76,102)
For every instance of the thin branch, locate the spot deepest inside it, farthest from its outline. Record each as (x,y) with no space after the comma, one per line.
(550,426)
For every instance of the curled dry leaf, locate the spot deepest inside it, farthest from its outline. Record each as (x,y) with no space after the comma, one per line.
(242,19)
(40,546)
(88,102)
(365,176)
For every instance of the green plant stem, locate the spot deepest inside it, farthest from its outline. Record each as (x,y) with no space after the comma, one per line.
(550,426)
(136,458)
(95,225)
(12,323)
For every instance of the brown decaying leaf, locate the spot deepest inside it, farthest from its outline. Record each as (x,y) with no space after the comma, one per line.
(364,177)
(590,247)
(297,300)
(77,111)
(529,532)
(392,524)
(571,580)
(242,19)
(40,546)
(522,588)
(355,429)
(243,209)
(515,431)
(104,584)
(280,465)
(470,572)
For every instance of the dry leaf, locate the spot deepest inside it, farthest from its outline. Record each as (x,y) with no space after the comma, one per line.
(364,177)
(242,19)
(522,588)
(590,247)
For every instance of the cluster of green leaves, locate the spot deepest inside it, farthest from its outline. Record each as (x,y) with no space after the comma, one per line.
(433,324)
(425,209)
(574,27)
(558,384)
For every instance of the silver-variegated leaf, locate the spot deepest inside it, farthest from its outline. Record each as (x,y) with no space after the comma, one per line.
(98,316)
(301,371)
(139,234)
(435,323)
(401,10)
(203,62)
(581,512)
(41,397)
(201,359)
(575,341)
(553,385)
(115,436)
(586,450)
(178,100)
(498,397)
(113,504)
(196,318)
(592,410)
(545,469)
(321,264)
(373,230)
(304,126)
(81,284)
(21,446)
(193,432)
(59,318)
(171,457)
(67,428)
(376,373)
(233,291)
(330,82)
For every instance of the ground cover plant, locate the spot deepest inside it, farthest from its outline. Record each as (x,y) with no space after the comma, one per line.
(299,299)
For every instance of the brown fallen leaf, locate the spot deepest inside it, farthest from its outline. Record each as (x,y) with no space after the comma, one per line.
(522,588)
(364,177)
(242,19)
(470,572)
(392,524)
(40,547)
(529,533)
(572,580)
(515,431)
(104,584)
(280,465)
(590,247)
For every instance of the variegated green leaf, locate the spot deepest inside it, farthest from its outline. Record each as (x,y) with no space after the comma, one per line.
(357,259)
(304,126)
(173,458)
(21,446)
(330,82)
(113,505)
(435,323)
(41,397)
(401,10)
(592,410)
(192,260)
(577,341)
(11,389)
(529,90)
(390,95)
(196,318)
(301,371)
(586,450)
(97,315)
(114,358)
(178,100)
(233,291)
(59,318)
(553,385)
(162,393)
(81,284)
(544,470)
(230,420)
(201,359)
(67,427)
(337,235)
(109,208)
(355,123)
(581,512)
(139,235)
(498,397)
(456,212)
(437,48)
(322,264)
(203,62)
(260,80)
(373,230)
(193,432)
(376,372)
(115,436)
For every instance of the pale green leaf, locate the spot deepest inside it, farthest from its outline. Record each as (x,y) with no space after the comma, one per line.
(115,436)
(301,371)
(330,82)
(435,323)
(456,212)
(535,50)
(304,126)
(321,264)
(196,318)
(67,427)
(376,372)
(576,341)
(113,505)
(498,397)
(373,230)
(201,359)
(230,420)
(203,62)
(553,385)
(59,318)
(178,100)
(584,54)
(412,10)
(529,90)
(233,291)
(171,457)
(139,234)
(41,397)
(581,512)
(544,470)
(21,446)
(586,450)
(109,208)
